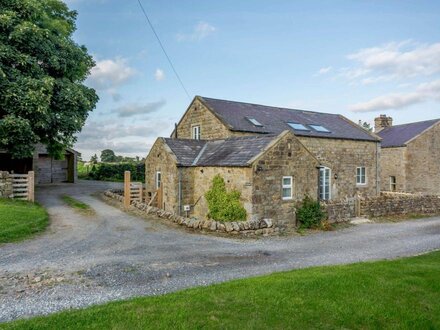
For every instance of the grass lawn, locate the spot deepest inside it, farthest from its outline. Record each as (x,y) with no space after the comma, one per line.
(20,219)
(78,205)
(399,294)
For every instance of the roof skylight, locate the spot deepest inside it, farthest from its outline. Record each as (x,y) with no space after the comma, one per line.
(255,122)
(320,128)
(298,127)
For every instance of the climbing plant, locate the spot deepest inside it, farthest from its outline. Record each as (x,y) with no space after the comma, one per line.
(224,205)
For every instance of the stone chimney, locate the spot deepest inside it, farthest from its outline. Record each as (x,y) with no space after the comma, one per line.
(382,122)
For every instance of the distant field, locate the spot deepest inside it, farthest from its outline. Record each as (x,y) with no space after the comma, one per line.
(111,171)
(20,220)
(399,294)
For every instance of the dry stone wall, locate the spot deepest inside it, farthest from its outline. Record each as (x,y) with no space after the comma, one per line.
(264,227)
(5,185)
(399,204)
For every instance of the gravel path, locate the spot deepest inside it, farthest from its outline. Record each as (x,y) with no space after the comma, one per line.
(83,260)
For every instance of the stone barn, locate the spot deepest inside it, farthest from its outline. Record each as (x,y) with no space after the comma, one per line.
(410,156)
(46,168)
(272,156)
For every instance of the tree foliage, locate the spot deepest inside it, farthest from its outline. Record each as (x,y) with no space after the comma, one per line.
(42,70)
(108,156)
(224,205)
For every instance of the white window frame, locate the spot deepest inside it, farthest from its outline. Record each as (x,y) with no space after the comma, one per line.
(326,186)
(158,179)
(359,176)
(287,186)
(393,184)
(195,132)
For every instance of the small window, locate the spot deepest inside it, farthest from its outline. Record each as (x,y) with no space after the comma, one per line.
(158,179)
(254,122)
(196,132)
(324,183)
(320,128)
(287,187)
(298,127)
(361,176)
(393,183)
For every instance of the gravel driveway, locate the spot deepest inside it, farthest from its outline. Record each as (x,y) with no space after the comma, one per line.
(83,260)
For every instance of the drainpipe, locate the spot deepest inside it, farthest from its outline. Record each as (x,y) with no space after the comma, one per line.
(377,169)
(180,190)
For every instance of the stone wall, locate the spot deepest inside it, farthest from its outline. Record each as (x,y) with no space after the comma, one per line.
(423,163)
(343,157)
(161,159)
(287,157)
(236,178)
(264,227)
(5,185)
(389,204)
(393,163)
(340,211)
(211,127)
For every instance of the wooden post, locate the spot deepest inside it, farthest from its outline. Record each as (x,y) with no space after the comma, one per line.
(127,189)
(31,186)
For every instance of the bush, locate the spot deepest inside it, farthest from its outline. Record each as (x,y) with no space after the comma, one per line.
(223,205)
(115,172)
(310,213)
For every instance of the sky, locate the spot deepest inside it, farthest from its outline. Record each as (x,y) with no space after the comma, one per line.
(356,58)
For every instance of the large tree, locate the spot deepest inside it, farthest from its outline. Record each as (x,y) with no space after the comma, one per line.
(42,70)
(108,156)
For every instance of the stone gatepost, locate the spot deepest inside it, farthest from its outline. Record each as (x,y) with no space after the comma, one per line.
(5,185)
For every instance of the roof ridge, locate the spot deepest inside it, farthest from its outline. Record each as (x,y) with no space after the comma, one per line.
(199,155)
(412,123)
(267,106)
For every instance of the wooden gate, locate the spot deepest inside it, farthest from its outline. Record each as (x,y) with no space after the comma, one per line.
(136,189)
(23,186)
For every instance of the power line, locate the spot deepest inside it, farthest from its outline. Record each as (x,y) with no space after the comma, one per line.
(163,49)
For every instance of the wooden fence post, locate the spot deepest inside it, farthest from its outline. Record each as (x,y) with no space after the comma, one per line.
(127,189)
(31,186)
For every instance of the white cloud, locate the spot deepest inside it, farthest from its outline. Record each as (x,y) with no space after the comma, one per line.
(123,138)
(109,74)
(324,70)
(201,31)
(423,92)
(394,60)
(133,109)
(159,75)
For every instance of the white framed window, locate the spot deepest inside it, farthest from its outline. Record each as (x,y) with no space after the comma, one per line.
(361,176)
(287,184)
(325,183)
(196,132)
(393,183)
(158,179)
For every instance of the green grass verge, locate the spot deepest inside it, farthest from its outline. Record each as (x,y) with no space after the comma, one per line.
(78,205)
(20,220)
(399,294)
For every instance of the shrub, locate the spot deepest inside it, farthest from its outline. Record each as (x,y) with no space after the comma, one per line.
(223,205)
(115,171)
(310,213)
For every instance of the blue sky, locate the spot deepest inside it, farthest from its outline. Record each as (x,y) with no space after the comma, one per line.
(356,58)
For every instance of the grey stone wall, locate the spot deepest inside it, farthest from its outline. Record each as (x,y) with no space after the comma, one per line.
(5,185)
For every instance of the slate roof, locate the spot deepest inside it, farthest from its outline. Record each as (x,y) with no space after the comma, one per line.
(228,152)
(274,120)
(399,135)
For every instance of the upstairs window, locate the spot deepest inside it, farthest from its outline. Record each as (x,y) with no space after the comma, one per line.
(393,183)
(320,128)
(254,122)
(361,176)
(324,183)
(196,132)
(298,127)
(287,187)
